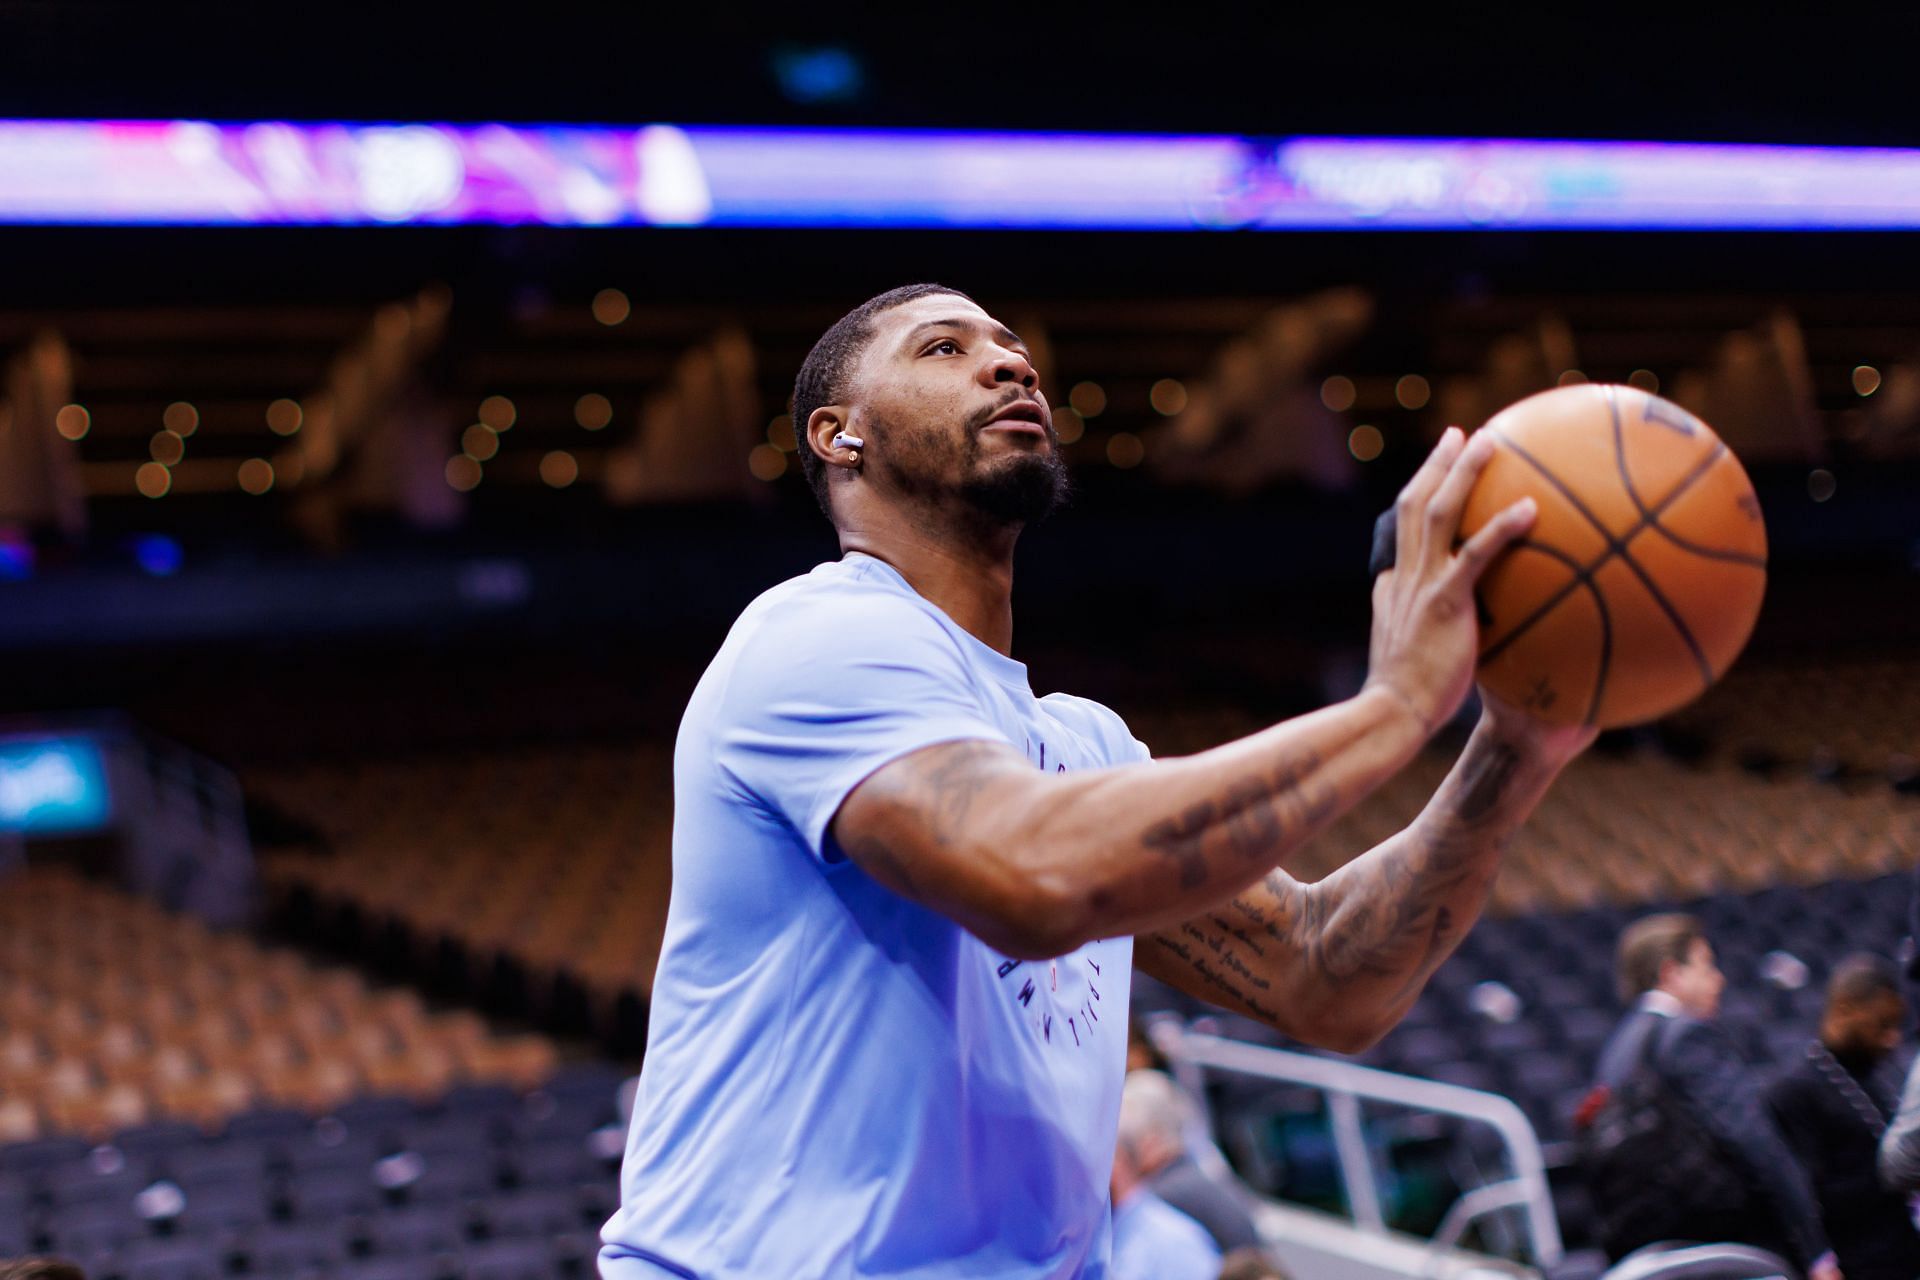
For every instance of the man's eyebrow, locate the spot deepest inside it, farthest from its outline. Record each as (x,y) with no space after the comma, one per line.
(1003,335)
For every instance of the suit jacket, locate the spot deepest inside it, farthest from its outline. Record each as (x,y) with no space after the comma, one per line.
(1872,1235)
(1699,1062)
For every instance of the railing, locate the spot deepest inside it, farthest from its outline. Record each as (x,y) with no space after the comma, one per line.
(1344,1084)
(1703,1262)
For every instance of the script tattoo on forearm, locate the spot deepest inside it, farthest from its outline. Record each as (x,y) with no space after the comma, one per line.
(1250,818)
(1389,917)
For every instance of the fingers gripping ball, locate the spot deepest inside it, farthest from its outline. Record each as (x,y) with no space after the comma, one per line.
(1640,581)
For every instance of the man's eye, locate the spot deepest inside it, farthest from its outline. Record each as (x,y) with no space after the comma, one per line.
(946,346)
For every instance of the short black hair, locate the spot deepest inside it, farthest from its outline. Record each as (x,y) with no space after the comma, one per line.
(1863,977)
(823,374)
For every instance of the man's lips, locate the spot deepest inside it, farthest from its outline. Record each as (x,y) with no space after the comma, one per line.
(1023,418)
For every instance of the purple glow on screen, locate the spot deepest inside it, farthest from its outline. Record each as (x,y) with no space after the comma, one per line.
(192,172)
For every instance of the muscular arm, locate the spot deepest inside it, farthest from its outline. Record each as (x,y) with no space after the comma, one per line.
(1036,864)
(1338,962)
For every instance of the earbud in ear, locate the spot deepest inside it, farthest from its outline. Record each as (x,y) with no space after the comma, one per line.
(841,440)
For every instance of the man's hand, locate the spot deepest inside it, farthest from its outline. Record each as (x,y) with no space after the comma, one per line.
(1425,635)
(1825,1267)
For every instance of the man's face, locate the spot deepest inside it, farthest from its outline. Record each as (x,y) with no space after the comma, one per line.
(1869,1027)
(1696,982)
(947,400)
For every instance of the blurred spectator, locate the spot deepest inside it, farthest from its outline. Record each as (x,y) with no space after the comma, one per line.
(1833,1107)
(1900,1148)
(1152,1240)
(1153,1124)
(1142,1053)
(1250,1264)
(39,1269)
(1676,1142)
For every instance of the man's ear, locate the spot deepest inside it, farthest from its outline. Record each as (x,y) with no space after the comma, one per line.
(823,424)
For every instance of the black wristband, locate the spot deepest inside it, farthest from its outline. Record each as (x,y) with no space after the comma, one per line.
(1386,536)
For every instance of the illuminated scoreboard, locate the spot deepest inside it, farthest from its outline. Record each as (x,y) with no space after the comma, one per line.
(267,172)
(53,785)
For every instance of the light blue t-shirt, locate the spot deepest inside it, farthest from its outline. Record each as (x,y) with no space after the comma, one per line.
(840,1082)
(1152,1240)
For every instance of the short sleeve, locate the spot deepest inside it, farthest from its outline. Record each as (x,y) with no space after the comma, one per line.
(826,690)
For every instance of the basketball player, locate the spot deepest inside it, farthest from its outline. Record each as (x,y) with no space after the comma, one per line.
(889,1025)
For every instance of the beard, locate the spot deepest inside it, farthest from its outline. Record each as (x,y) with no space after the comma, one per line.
(1020,488)
(1023,489)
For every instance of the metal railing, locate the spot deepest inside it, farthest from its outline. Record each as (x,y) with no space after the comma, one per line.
(1344,1084)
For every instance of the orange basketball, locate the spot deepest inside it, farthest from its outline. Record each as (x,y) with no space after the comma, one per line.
(1639,583)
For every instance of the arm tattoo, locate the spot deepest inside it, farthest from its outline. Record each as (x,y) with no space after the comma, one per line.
(1394,916)
(1249,817)
(950,782)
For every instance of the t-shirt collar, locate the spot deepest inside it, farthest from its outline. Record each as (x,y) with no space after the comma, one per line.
(1008,671)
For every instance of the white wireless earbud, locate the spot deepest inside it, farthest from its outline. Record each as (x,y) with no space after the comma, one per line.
(841,440)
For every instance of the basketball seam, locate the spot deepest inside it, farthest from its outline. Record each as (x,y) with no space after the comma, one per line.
(1650,516)
(1582,578)
(1585,573)
(1617,548)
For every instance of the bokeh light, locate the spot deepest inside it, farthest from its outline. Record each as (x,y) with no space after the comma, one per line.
(1089,399)
(1412,391)
(559,468)
(1571,377)
(167,448)
(1337,393)
(73,421)
(593,411)
(256,476)
(1068,424)
(1365,442)
(610,307)
(1866,379)
(1821,484)
(1124,450)
(499,413)
(463,473)
(153,480)
(180,418)
(1168,397)
(479,442)
(766,462)
(780,433)
(285,416)
(1646,380)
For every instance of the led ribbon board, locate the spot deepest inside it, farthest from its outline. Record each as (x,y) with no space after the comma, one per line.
(193,172)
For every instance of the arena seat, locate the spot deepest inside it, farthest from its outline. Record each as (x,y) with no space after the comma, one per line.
(531,1179)
(120,1016)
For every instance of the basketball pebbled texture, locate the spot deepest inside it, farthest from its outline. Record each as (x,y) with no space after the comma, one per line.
(1643,574)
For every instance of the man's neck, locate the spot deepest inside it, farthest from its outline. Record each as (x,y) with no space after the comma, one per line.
(969,576)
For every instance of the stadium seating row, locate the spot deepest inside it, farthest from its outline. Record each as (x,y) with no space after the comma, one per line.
(483,1181)
(113,1012)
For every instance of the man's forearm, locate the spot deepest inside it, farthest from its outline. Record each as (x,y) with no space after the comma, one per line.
(1352,952)
(1038,864)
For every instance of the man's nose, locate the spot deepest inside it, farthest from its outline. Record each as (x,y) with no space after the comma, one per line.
(1011,366)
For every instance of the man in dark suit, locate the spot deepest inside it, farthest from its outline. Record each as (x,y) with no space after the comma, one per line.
(1667,971)
(1833,1106)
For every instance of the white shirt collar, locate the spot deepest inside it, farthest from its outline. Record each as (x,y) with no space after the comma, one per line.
(1660,1002)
